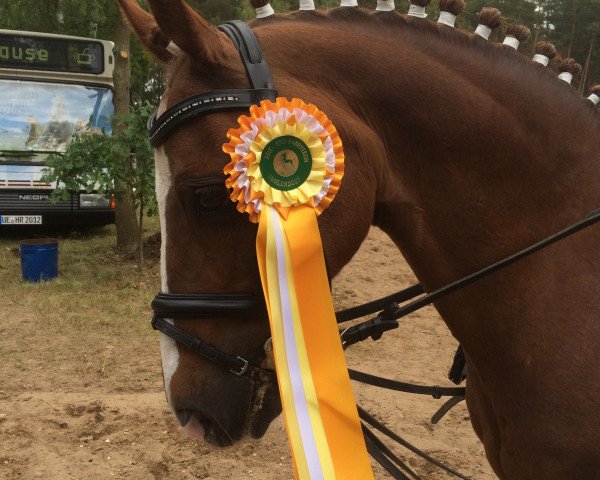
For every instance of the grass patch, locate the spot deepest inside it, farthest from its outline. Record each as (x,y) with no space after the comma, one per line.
(97,289)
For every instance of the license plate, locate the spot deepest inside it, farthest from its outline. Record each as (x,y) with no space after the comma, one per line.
(20,219)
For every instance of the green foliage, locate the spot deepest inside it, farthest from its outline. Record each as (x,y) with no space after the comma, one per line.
(95,161)
(575,27)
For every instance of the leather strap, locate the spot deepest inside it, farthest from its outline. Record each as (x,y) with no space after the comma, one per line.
(445,408)
(247,44)
(387,319)
(369,308)
(435,391)
(371,420)
(182,305)
(234,363)
(384,456)
(428,299)
(160,128)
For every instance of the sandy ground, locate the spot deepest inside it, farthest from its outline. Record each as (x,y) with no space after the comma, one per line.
(93,407)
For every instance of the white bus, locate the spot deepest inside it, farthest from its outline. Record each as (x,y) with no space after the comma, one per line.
(51,86)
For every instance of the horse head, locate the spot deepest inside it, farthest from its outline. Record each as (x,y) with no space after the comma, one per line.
(207,245)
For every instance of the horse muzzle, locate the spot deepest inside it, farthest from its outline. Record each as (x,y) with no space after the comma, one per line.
(224,418)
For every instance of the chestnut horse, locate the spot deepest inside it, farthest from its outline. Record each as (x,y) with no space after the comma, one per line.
(463,152)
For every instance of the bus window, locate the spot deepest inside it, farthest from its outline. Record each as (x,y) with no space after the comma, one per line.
(42,117)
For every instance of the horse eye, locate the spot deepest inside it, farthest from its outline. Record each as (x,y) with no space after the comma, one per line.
(207,196)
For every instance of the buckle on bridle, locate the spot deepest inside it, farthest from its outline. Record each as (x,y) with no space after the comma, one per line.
(242,369)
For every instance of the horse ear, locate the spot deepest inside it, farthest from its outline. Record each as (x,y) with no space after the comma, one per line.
(146,29)
(188,30)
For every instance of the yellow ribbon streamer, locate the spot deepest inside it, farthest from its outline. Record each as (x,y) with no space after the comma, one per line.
(331,405)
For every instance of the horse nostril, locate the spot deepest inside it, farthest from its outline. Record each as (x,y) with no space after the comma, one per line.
(184,416)
(197,426)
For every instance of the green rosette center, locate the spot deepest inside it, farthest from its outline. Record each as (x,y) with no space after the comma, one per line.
(286,163)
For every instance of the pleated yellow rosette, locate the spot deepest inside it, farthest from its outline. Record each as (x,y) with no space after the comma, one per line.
(286,167)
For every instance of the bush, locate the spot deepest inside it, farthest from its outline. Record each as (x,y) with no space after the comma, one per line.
(97,162)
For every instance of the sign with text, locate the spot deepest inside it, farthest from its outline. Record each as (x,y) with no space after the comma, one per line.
(28,52)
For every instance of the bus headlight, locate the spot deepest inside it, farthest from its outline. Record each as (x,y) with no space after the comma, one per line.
(94,200)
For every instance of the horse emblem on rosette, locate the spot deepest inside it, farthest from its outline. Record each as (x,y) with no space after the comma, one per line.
(455,156)
(289,159)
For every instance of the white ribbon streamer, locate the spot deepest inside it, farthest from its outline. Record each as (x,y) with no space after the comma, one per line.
(512,42)
(417,11)
(483,31)
(595,99)
(567,77)
(447,18)
(385,5)
(541,59)
(293,360)
(264,12)
(349,3)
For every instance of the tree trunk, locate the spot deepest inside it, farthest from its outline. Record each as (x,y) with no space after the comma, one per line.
(125,213)
(94,14)
(141,233)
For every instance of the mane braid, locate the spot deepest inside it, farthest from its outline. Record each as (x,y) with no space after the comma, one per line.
(489,20)
(520,32)
(570,65)
(547,49)
(490,17)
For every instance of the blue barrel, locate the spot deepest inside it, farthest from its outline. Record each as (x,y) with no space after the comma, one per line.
(39,259)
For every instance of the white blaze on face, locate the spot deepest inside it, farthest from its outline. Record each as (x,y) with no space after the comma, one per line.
(168,346)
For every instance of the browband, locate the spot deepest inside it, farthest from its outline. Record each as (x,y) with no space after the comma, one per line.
(159,129)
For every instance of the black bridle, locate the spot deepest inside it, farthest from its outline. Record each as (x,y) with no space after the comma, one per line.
(172,305)
(389,309)
(161,128)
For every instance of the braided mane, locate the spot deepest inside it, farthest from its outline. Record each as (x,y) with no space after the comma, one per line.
(387,23)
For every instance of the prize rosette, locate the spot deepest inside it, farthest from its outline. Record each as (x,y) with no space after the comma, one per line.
(284,154)
(286,167)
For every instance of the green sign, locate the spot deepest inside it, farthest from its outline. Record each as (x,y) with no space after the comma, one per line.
(28,52)
(285,163)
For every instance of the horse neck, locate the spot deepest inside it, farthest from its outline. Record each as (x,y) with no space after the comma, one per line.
(487,152)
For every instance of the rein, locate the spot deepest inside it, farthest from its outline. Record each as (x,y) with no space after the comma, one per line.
(197,306)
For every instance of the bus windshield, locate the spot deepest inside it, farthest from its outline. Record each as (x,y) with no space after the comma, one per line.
(42,117)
